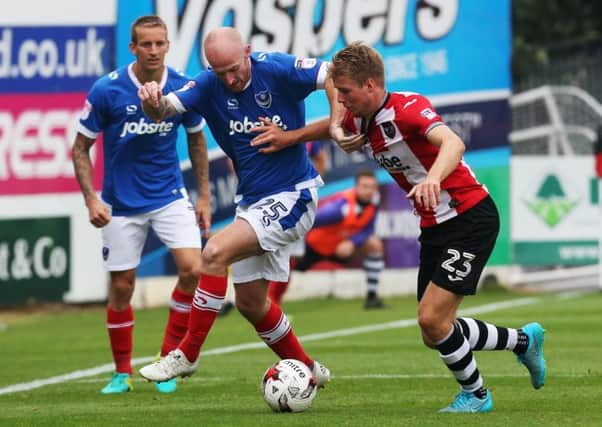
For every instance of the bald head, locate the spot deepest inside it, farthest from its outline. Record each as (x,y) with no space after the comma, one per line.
(228,56)
(222,45)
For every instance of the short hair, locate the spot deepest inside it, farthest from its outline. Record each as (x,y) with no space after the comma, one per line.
(147,21)
(364,173)
(359,62)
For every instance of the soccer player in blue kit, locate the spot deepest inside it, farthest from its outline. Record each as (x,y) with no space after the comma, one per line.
(142,187)
(243,94)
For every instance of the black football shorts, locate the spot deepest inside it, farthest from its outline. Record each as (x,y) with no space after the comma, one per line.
(454,253)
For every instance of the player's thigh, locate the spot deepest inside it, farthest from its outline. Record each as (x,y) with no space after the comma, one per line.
(235,242)
(176,225)
(123,239)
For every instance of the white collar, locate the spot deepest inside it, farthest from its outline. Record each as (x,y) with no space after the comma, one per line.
(135,80)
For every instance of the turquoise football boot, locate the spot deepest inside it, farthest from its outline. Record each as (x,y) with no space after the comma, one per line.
(168,386)
(120,383)
(468,403)
(533,358)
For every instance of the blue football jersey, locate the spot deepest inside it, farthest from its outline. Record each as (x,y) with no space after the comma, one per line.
(141,165)
(279,84)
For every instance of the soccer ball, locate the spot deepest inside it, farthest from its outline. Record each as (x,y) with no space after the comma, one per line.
(289,386)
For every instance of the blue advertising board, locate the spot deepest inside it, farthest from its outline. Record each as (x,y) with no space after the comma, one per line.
(435,47)
(455,52)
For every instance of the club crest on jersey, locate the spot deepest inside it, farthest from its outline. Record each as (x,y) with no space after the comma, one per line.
(189,85)
(232,104)
(388,129)
(263,98)
(428,113)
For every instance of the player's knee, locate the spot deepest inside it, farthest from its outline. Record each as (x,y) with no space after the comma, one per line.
(250,308)
(374,244)
(428,342)
(213,256)
(189,279)
(428,322)
(121,290)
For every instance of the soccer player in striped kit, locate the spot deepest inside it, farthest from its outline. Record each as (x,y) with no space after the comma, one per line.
(248,99)
(458,219)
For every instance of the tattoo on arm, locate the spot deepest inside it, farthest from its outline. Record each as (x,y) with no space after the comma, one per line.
(197,150)
(82,164)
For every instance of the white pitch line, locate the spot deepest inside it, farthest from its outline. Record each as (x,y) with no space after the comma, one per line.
(206,379)
(106,368)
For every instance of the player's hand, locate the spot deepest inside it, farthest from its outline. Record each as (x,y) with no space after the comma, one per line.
(203,214)
(150,94)
(99,214)
(427,194)
(349,143)
(271,137)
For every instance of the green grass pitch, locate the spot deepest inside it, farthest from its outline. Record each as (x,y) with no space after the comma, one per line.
(382,375)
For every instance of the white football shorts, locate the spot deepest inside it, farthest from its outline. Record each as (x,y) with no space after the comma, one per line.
(124,236)
(297,248)
(278,220)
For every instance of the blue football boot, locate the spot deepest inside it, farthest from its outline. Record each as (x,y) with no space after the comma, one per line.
(466,402)
(533,358)
(120,383)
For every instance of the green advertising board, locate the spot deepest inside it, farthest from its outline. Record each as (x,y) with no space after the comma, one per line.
(34,260)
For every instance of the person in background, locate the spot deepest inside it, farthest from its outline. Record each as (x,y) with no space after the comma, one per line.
(142,188)
(344,229)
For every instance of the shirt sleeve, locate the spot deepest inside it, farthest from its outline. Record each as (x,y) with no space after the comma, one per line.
(301,75)
(190,96)
(92,119)
(420,114)
(193,122)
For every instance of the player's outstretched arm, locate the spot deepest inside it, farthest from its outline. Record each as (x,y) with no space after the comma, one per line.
(197,150)
(98,213)
(154,104)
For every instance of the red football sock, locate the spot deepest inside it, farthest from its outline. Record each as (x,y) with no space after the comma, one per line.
(177,322)
(276,290)
(208,299)
(275,330)
(120,325)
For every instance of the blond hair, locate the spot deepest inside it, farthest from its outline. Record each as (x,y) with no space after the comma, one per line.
(358,62)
